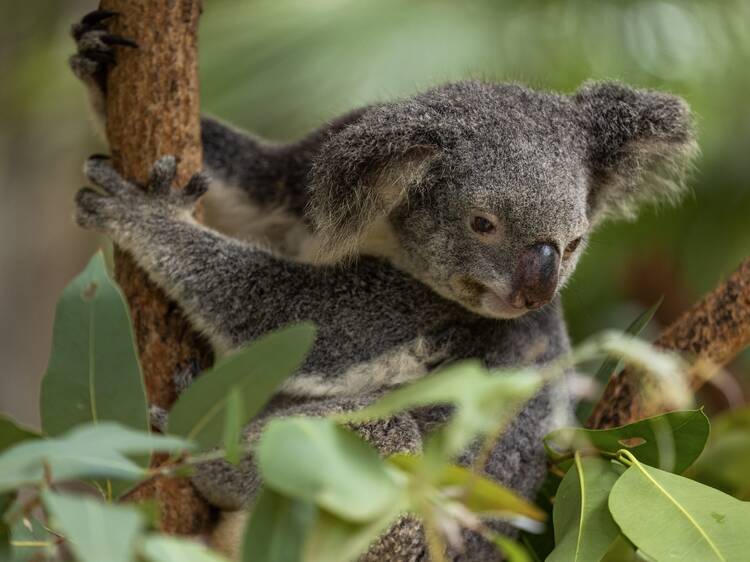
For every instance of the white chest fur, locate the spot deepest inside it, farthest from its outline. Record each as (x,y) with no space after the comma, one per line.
(396,366)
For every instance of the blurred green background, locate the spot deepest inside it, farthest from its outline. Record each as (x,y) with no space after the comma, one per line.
(281,67)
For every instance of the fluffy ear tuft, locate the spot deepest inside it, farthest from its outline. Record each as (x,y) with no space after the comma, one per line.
(364,171)
(640,144)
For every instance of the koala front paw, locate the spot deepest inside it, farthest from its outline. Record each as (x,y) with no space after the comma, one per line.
(95,52)
(123,204)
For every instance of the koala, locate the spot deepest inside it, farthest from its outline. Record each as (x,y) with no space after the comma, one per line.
(413,233)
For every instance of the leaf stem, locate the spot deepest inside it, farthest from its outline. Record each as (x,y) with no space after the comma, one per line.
(584,453)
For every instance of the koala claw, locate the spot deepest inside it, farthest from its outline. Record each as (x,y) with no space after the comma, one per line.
(111,40)
(183,378)
(91,19)
(95,53)
(158,418)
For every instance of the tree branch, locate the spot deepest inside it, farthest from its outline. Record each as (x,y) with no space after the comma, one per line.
(153,110)
(715,330)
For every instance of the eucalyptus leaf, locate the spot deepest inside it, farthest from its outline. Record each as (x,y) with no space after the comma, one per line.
(5,534)
(666,369)
(584,529)
(671,441)
(670,517)
(276,528)
(11,433)
(161,548)
(93,372)
(28,531)
(483,401)
(333,539)
(621,550)
(513,551)
(314,459)
(478,493)
(255,371)
(96,531)
(613,365)
(539,545)
(89,451)
(233,427)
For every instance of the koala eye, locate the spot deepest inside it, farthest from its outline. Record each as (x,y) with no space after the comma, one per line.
(570,248)
(482,225)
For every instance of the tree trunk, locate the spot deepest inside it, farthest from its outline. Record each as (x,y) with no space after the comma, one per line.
(153,110)
(715,330)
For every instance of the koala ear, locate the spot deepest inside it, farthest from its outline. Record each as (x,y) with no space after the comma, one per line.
(640,145)
(363,172)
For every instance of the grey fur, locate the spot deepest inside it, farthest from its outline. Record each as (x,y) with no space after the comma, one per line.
(392,188)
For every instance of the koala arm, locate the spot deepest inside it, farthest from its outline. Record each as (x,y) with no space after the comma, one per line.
(271,176)
(229,288)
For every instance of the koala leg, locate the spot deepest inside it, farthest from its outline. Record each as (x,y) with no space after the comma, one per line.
(233,488)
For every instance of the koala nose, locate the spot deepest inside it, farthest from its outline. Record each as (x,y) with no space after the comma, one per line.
(535,279)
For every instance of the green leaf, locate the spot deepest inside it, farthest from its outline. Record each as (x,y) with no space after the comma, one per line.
(478,493)
(93,372)
(30,530)
(333,539)
(161,548)
(612,365)
(5,534)
(484,401)
(12,433)
(315,459)
(584,529)
(666,369)
(233,427)
(513,551)
(621,550)
(256,372)
(541,544)
(671,441)
(96,531)
(276,528)
(89,451)
(670,517)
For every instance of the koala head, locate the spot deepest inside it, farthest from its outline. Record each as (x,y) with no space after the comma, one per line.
(488,192)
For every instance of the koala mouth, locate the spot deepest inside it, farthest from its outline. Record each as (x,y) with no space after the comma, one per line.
(498,307)
(480,298)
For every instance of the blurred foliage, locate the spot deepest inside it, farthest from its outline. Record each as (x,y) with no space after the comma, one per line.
(281,67)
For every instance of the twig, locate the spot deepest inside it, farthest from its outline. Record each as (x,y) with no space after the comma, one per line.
(714,331)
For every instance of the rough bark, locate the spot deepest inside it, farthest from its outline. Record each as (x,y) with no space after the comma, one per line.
(714,331)
(153,110)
